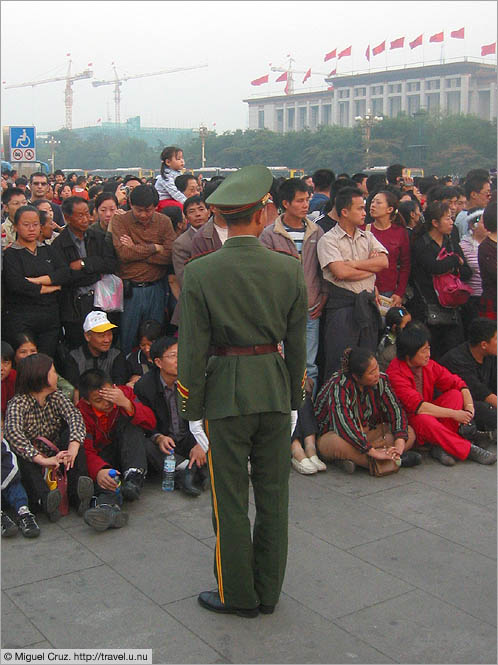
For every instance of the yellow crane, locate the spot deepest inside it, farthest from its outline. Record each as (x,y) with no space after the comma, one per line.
(118,80)
(68,93)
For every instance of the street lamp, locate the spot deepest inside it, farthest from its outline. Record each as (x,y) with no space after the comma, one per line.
(203,132)
(52,142)
(366,123)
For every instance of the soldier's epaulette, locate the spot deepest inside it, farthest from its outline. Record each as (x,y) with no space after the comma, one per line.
(192,258)
(284,251)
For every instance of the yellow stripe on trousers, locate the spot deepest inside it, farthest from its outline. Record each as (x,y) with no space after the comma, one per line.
(215,507)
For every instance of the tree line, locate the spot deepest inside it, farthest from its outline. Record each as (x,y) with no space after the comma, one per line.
(440,145)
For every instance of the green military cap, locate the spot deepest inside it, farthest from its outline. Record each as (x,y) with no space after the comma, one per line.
(242,192)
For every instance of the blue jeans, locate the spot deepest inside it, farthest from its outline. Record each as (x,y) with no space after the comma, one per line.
(312,337)
(144,303)
(15,495)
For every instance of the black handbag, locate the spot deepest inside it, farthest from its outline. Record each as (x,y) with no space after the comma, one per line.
(436,315)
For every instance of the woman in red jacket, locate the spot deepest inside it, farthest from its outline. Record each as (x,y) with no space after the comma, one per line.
(445,422)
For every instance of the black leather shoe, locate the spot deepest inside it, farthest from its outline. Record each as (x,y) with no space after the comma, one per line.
(480,455)
(442,456)
(202,477)
(267,609)
(210,600)
(184,478)
(411,458)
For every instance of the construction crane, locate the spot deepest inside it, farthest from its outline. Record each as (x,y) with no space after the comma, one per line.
(289,88)
(68,95)
(118,80)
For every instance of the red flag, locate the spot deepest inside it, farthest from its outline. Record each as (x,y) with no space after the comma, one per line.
(489,49)
(378,49)
(416,42)
(438,37)
(331,87)
(68,54)
(458,34)
(398,43)
(90,64)
(345,53)
(307,75)
(261,80)
(367,53)
(286,89)
(333,72)
(329,56)
(282,77)
(99,120)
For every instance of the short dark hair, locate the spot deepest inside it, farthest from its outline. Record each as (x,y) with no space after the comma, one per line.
(7,351)
(181,181)
(69,203)
(405,209)
(59,172)
(94,191)
(37,173)
(22,180)
(20,211)
(288,189)
(481,330)
(434,211)
(80,179)
(345,197)
(489,217)
(475,183)
(411,339)
(174,213)
(355,360)
(105,196)
(426,183)
(359,177)
(144,196)
(22,338)
(92,379)
(32,373)
(394,316)
(210,187)
(128,178)
(375,181)
(150,329)
(192,200)
(323,179)
(393,172)
(10,192)
(161,345)
(442,193)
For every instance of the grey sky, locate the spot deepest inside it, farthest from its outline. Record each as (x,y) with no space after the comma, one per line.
(238,40)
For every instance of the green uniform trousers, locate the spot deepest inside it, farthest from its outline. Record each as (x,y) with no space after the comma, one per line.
(250,571)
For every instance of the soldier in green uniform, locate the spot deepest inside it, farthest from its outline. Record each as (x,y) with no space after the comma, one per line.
(237,304)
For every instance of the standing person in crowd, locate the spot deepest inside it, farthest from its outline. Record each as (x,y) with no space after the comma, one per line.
(361,182)
(487,263)
(411,212)
(469,244)
(359,416)
(444,422)
(214,232)
(475,362)
(124,190)
(96,352)
(323,179)
(32,276)
(115,423)
(158,390)
(38,409)
(139,361)
(87,256)
(248,393)
(143,240)
(478,194)
(106,206)
(329,217)
(427,241)
(12,199)
(293,232)
(80,188)
(396,319)
(172,164)
(49,230)
(388,227)
(39,185)
(350,259)
(394,174)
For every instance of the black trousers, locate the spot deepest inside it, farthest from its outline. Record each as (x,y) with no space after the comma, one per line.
(485,416)
(155,457)
(126,451)
(42,323)
(306,421)
(32,476)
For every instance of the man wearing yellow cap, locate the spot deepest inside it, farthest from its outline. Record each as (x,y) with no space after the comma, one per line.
(237,304)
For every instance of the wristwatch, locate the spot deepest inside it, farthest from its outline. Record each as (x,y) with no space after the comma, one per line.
(82,263)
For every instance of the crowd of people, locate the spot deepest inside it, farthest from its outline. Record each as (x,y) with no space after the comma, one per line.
(401,339)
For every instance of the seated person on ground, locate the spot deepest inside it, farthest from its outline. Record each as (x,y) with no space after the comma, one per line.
(14,495)
(139,361)
(8,376)
(115,422)
(158,390)
(446,423)
(303,438)
(396,319)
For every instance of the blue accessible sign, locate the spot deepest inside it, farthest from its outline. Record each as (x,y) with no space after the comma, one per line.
(22,144)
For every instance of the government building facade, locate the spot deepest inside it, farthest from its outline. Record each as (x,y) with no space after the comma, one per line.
(466,86)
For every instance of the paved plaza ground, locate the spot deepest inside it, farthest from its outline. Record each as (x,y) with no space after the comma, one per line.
(399,569)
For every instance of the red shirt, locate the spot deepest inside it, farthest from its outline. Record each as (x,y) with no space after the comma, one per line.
(395,277)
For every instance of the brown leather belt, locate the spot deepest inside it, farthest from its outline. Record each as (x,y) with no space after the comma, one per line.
(257,350)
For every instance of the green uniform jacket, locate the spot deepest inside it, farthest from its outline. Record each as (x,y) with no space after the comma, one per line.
(241,295)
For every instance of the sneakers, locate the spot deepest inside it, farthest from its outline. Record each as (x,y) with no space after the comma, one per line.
(85,493)
(480,455)
(133,480)
(347,465)
(9,528)
(305,466)
(105,516)
(28,526)
(411,458)
(320,466)
(50,504)
(441,456)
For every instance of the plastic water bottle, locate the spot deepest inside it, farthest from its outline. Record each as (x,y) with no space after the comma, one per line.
(115,474)
(169,473)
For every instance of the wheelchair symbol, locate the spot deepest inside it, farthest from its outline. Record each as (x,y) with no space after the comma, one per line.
(23,141)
